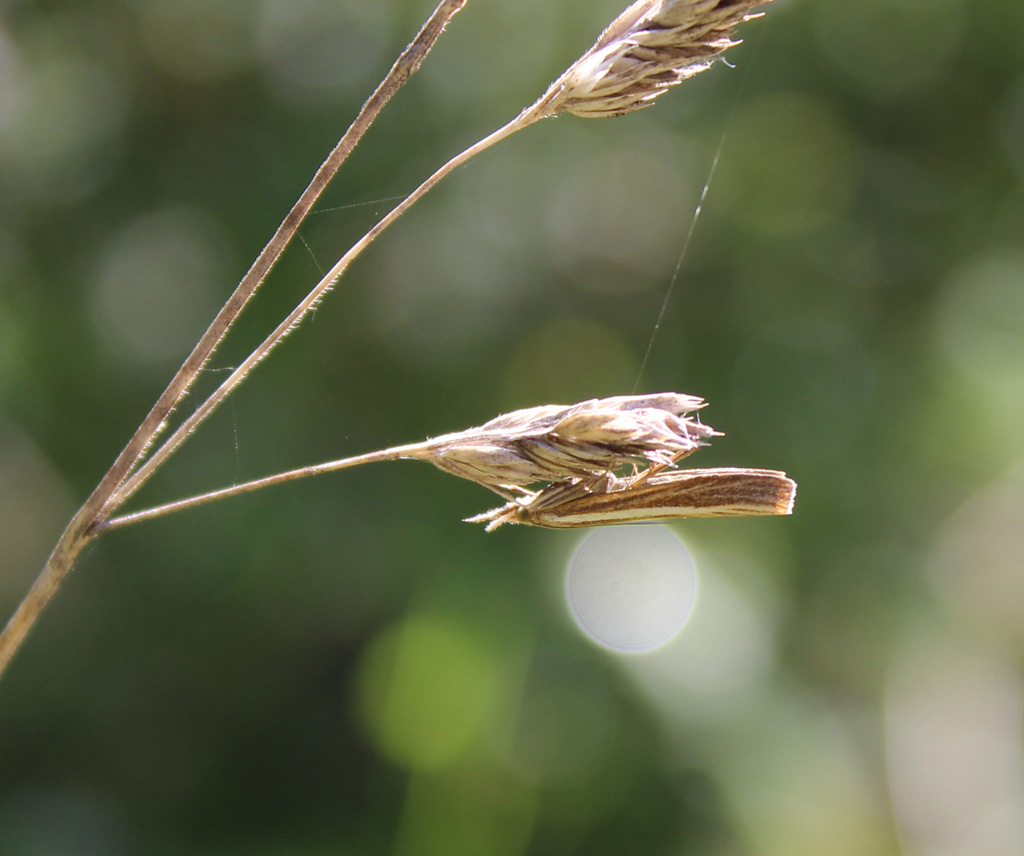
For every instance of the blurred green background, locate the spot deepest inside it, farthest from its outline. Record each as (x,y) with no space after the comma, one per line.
(342,666)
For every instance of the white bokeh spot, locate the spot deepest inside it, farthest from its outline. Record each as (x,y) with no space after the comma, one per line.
(631,588)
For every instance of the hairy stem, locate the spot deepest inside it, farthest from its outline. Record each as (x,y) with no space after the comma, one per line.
(136,480)
(391,454)
(405,66)
(57,566)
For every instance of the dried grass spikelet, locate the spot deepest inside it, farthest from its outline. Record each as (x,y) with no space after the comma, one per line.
(556,442)
(651,46)
(602,461)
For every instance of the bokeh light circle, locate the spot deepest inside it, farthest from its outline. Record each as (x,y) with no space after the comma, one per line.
(631,588)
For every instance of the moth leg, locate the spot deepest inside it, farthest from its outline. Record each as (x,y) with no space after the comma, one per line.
(509,492)
(638,478)
(496,516)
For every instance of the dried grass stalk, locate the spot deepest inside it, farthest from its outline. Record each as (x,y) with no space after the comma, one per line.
(650,47)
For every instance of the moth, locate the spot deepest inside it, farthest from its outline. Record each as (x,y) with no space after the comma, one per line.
(714,492)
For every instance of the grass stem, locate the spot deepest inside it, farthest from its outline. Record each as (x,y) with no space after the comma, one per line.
(108,495)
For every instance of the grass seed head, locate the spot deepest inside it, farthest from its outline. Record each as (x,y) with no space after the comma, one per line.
(557,442)
(651,46)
